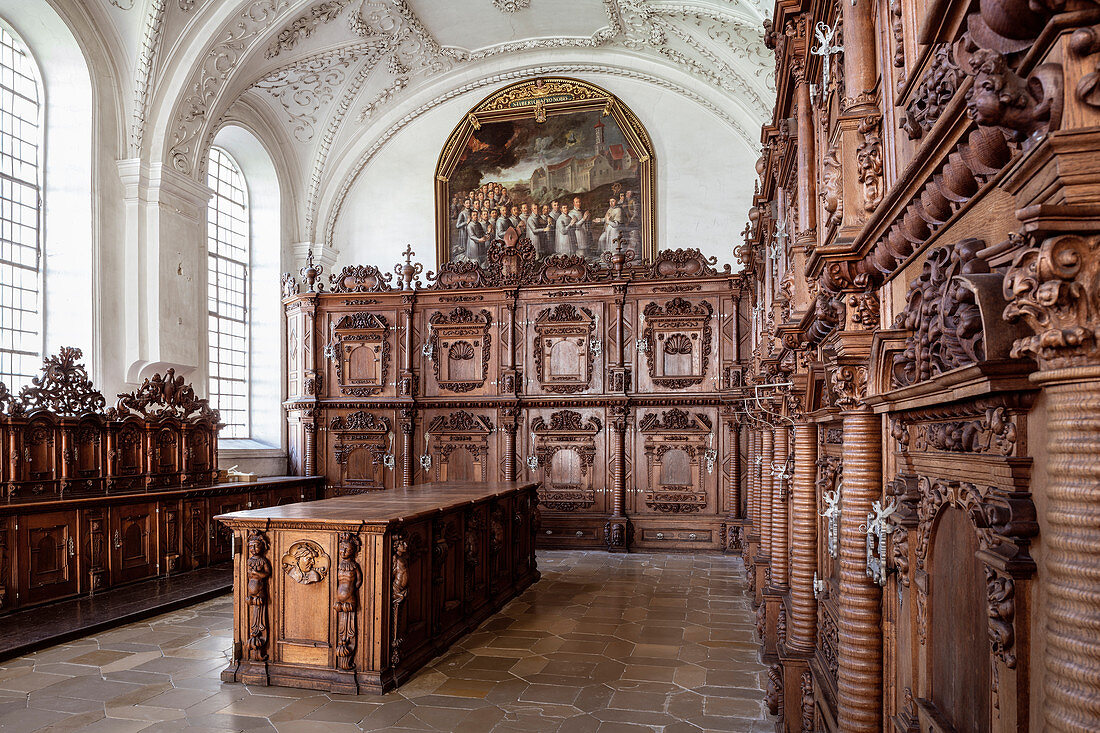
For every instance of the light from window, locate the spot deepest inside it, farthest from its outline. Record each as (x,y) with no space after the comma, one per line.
(20,215)
(228,293)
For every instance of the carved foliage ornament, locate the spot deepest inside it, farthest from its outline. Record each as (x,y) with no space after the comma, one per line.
(942,314)
(849,386)
(930,99)
(1055,289)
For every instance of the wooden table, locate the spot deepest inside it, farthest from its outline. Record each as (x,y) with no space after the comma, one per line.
(355,593)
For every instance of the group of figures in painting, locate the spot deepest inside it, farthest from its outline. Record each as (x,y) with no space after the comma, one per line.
(571,183)
(564,227)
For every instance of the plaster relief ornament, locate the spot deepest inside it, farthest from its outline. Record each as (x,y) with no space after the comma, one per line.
(305,562)
(511,6)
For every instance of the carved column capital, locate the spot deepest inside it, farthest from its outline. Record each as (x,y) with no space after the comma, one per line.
(1055,288)
(849,385)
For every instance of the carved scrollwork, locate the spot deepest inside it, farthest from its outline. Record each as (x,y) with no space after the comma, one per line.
(849,385)
(937,86)
(681,263)
(168,395)
(62,387)
(455,331)
(361,279)
(1002,616)
(458,274)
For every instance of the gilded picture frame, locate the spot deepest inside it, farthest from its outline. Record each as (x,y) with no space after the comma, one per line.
(617,145)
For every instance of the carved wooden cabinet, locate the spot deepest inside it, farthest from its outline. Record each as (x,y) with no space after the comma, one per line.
(613,386)
(95,497)
(355,593)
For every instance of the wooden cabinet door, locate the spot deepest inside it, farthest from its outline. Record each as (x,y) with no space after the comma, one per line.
(133,542)
(221,539)
(196,534)
(48,542)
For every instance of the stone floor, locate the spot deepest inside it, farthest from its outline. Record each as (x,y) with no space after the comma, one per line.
(639,642)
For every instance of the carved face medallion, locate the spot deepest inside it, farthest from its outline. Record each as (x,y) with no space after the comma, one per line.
(305,562)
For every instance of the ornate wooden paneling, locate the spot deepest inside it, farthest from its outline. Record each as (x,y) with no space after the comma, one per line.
(515,371)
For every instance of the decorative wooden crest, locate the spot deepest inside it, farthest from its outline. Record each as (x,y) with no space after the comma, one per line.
(564,270)
(361,352)
(460,422)
(167,396)
(681,263)
(459,343)
(677,341)
(361,279)
(63,387)
(458,274)
(564,350)
(361,421)
(675,421)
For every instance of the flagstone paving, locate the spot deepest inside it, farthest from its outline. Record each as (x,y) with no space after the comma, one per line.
(603,643)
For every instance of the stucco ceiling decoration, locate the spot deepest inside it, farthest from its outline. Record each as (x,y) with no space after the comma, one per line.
(496,80)
(511,6)
(721,46)
(344,59)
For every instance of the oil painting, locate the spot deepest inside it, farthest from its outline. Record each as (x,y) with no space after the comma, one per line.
(565,175)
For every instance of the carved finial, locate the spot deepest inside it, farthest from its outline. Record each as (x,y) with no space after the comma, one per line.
(619,258)
(312,273)
(408,272)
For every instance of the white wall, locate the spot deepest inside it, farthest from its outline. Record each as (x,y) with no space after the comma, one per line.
(702,189)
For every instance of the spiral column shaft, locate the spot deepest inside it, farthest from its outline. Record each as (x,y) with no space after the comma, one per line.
(767,445)
(802,629)
(1071,584)
(859,621)
(779,549)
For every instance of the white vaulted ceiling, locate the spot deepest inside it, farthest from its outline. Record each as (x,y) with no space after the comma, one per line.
(336,80)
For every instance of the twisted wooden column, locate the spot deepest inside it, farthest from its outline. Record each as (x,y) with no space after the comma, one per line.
(780,561)
(751,510)
(767,445)
(1072,538)
(859,622)
(734,497)
(802,627)
(617,529)
(408,427)
(510,451)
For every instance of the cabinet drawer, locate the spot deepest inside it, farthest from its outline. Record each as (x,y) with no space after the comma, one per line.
(569,534)
(677,535)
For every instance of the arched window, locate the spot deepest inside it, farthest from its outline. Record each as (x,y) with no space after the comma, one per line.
(228,293)
(20,214)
